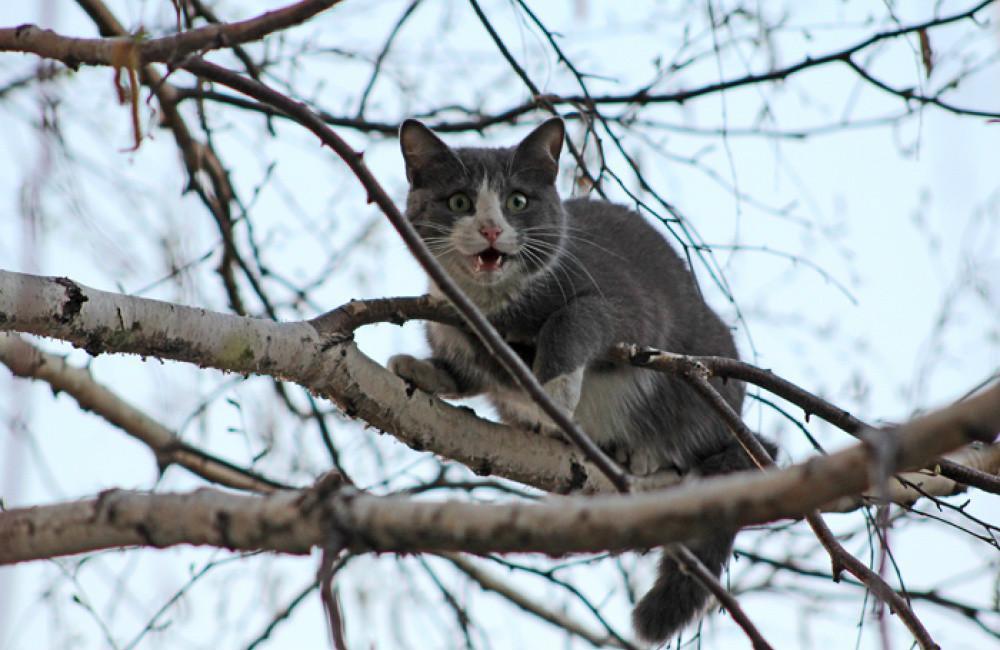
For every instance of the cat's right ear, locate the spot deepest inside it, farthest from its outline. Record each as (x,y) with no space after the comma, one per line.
(539,151)
(421,148)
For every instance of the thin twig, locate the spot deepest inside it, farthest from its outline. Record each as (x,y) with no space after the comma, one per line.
(968,610)
(525,602)
(283,615)
(377,66)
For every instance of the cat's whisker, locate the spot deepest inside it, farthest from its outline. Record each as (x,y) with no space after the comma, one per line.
(546,268)
(435,227)
(562,251)
(575,238)
(553,267)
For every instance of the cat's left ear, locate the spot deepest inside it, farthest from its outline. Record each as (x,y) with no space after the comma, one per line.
(539,151)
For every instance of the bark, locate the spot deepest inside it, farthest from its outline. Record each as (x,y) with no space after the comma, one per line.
(294,521)
(137,50)
(328,364)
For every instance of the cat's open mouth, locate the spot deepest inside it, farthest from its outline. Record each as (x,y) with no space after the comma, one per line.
(488,260)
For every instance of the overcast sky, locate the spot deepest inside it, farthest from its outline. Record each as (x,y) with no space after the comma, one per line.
(865,264)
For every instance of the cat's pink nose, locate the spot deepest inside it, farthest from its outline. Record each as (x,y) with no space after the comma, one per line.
(491,233)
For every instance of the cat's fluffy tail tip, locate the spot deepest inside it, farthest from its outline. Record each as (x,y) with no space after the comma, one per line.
(661,613)
(677,598)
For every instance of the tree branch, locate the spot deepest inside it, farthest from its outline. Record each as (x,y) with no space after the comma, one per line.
(135,51)
(327,363)
(973,466)
(641,96)
(697,376)
(318,355)
(294,522)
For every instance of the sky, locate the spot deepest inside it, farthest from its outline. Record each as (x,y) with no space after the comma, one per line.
(864,263)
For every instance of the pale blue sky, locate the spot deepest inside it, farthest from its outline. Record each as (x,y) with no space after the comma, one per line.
(905,218)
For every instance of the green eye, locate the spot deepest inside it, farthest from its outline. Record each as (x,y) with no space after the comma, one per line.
(459,202)
(517,202)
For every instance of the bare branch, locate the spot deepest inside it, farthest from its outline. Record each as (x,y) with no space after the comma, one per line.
(138,51)
(967,609)
(642,96)
(282,615)
(332,561)
(842,560)
(293,522)
(908,487)
(327,364)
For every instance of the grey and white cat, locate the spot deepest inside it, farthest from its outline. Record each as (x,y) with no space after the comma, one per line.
(562,281)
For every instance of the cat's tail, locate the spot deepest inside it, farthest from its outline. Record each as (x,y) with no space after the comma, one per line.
(677,598)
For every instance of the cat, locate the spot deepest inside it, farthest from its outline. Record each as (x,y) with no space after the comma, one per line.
(562,281)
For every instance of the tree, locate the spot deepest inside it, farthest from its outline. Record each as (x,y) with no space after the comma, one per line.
(706,117)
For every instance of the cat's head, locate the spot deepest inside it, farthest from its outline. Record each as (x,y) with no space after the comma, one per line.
(492,217)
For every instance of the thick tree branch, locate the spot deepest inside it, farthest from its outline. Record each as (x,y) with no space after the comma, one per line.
(908,487)
(975,466)
(319,356)
(293,522)
(326,363)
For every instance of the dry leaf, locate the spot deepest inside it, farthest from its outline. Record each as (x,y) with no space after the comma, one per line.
(926,53)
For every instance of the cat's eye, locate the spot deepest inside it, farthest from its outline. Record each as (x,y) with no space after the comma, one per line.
(517,202)
(459,202)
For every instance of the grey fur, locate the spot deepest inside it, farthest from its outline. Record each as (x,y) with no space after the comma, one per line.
(578,275)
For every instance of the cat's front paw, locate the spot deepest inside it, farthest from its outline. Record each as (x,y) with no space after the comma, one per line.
(423,374)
